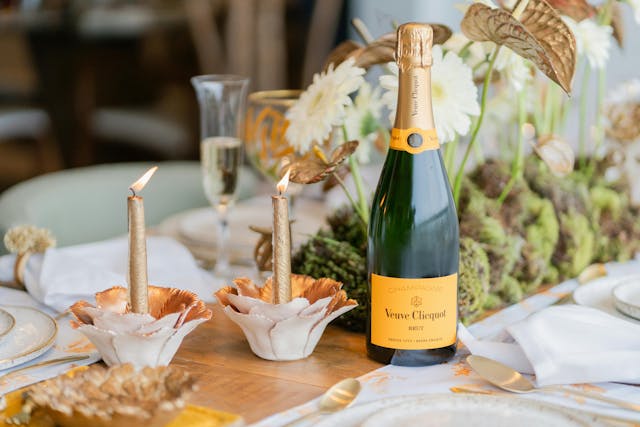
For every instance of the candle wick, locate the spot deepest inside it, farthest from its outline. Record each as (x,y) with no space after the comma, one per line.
(133,192)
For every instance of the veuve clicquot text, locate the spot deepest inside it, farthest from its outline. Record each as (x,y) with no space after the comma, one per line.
(413,247)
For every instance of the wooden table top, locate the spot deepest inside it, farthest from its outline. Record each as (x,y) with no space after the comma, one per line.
(231,378)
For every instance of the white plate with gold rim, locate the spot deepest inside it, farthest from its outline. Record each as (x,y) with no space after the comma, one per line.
(200,226)
(598,294)
(626,297)
(33,334)
(452,410)
(7,322)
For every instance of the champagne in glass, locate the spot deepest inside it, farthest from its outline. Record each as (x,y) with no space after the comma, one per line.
(222,101)
(221,157)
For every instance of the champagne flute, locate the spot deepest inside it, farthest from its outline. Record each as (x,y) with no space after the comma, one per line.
(222,102)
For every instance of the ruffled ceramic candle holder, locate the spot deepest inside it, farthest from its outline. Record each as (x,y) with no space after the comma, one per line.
(140,339)
(287,331)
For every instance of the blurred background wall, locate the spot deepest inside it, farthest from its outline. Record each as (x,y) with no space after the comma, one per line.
(96,81)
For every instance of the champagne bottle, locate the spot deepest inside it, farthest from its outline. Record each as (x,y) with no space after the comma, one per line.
(413,239)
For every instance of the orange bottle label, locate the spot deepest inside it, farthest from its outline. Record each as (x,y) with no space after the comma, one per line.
(414,140)
(414,314)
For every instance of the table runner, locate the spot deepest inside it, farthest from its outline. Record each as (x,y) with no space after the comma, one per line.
(391,381)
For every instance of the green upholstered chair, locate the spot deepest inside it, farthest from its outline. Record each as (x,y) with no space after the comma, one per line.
(89,204)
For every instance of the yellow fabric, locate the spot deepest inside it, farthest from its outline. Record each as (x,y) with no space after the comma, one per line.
(192,416)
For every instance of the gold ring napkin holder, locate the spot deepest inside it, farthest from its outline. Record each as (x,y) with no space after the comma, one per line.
(24,241)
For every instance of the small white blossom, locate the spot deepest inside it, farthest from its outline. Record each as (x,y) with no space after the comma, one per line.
(592,40)
(362,119)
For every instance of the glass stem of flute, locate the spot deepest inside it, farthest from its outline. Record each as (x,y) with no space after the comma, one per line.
(222,266)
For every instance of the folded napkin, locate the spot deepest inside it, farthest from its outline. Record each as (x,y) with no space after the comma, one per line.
(62,276)
(567,345)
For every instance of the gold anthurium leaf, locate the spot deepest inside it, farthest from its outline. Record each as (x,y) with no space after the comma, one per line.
(556,38)
(309,171)
(312,169)
(343,151)
(379,51)
(540,36)
(441,33)
(341,52)
(556,153)
(577,10)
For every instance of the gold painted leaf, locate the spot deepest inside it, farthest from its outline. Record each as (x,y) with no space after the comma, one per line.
(540,36)
(341,52)
(310,171)
(577,10)
(379,51)
(343,151)
(441,33)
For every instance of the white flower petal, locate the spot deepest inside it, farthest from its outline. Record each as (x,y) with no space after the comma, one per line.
(592,40)
(322,105)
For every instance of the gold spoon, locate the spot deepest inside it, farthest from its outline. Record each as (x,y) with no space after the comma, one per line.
(338,397)
(511,380)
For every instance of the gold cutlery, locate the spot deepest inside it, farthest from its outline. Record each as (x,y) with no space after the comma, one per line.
(338,397)
(511,380)
(61,360)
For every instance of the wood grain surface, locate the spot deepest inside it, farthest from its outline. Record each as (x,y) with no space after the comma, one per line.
(231,378)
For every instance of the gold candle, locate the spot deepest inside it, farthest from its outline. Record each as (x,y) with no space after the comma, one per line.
(281,245)
(138,283)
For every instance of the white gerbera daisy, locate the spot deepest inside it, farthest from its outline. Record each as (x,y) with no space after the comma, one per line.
(322,105)
(362,119)
(454,95)
(592,40)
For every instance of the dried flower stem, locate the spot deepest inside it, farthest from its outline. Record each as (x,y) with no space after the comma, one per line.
(457,187)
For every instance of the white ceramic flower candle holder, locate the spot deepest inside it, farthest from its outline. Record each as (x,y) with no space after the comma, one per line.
(287,331)
(140,339)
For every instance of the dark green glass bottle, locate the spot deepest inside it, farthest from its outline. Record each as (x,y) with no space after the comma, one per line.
(413,240)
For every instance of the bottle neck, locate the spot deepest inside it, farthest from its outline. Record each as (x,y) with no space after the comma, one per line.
(414,108)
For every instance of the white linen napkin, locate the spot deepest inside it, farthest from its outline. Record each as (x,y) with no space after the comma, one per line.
(567,345)
(62,276)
